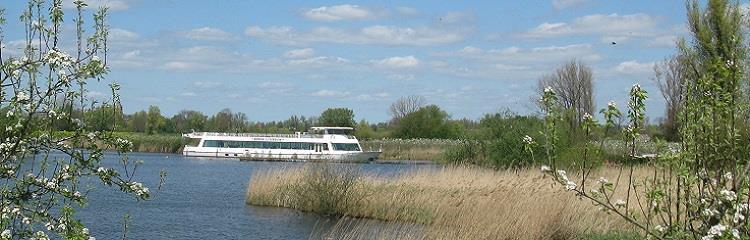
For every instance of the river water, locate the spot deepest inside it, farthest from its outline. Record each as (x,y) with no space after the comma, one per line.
(201,199)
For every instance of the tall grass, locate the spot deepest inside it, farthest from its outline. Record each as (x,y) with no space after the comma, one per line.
(453,203)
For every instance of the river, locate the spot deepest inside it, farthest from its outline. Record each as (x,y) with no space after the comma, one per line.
(201,199)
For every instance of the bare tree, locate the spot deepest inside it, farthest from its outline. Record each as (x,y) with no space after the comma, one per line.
(670,76)
(405,105)
(573,83)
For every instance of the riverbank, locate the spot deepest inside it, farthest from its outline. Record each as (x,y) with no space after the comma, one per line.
(451,202)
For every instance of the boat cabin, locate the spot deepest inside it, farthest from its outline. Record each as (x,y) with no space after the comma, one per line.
(332,130)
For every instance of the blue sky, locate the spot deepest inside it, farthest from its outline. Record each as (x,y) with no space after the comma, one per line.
(281,58)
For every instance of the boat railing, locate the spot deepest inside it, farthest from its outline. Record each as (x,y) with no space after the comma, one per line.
(278,135)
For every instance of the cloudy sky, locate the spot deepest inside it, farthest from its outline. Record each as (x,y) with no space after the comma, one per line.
(275,59)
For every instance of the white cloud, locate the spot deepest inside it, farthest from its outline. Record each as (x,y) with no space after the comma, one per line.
(119,34)
(330,93)
(562,4)
(373,97)
(667,41)
(511,62)
(188,94)
(113,5)
(401,77)
(612,25)
(409,11)
(515,55)
(397,62)
(209,34)
(456,17)
(206,84)
(378,34)
(634,67)
(318,61)
(180,65)
(338,13)
(300,53)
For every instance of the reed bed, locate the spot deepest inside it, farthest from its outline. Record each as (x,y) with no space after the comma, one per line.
(450,203)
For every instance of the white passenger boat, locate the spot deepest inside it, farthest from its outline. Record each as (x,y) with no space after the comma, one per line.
(334,144)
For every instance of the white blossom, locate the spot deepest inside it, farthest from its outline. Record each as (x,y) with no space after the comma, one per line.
(603,181)
(728,195)
(549,89)
(58,58)
(5,234)
(22,97)
(570,185)
(528,140)
(620,203)
(587,116)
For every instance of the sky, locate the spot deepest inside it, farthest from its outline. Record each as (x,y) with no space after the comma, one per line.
(274,59)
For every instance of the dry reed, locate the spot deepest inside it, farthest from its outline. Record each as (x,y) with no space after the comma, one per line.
(458,203)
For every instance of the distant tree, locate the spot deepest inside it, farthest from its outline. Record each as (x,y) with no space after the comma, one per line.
(154,120)
(363,130)
(221,121)
(337,117)
(189,120)
(670,76)
(573,83)
(405,105)
(228,121)
(137,121)
(102,118)
(297,123)
(427,122)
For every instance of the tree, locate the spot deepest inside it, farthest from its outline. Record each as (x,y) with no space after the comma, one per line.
(405,105)
(337,117)
(670,76)
(137,121)
(573,82)
(364,131)
(189,120)
(44,173)
(154,120)
(427,122)
(102,118)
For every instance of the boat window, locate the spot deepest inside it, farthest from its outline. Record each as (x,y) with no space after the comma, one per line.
(233,144)
(285,145)
(337,131)
(346,147)
(211,143)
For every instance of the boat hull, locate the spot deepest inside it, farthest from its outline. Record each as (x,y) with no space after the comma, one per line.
(281,156)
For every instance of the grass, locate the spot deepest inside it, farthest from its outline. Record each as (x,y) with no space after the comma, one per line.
(450,203)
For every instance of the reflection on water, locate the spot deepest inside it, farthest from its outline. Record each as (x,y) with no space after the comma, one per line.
(204,199)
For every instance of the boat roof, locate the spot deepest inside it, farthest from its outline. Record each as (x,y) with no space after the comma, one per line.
(338,128)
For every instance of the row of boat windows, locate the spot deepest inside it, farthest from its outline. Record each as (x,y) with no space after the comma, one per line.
(279,145)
